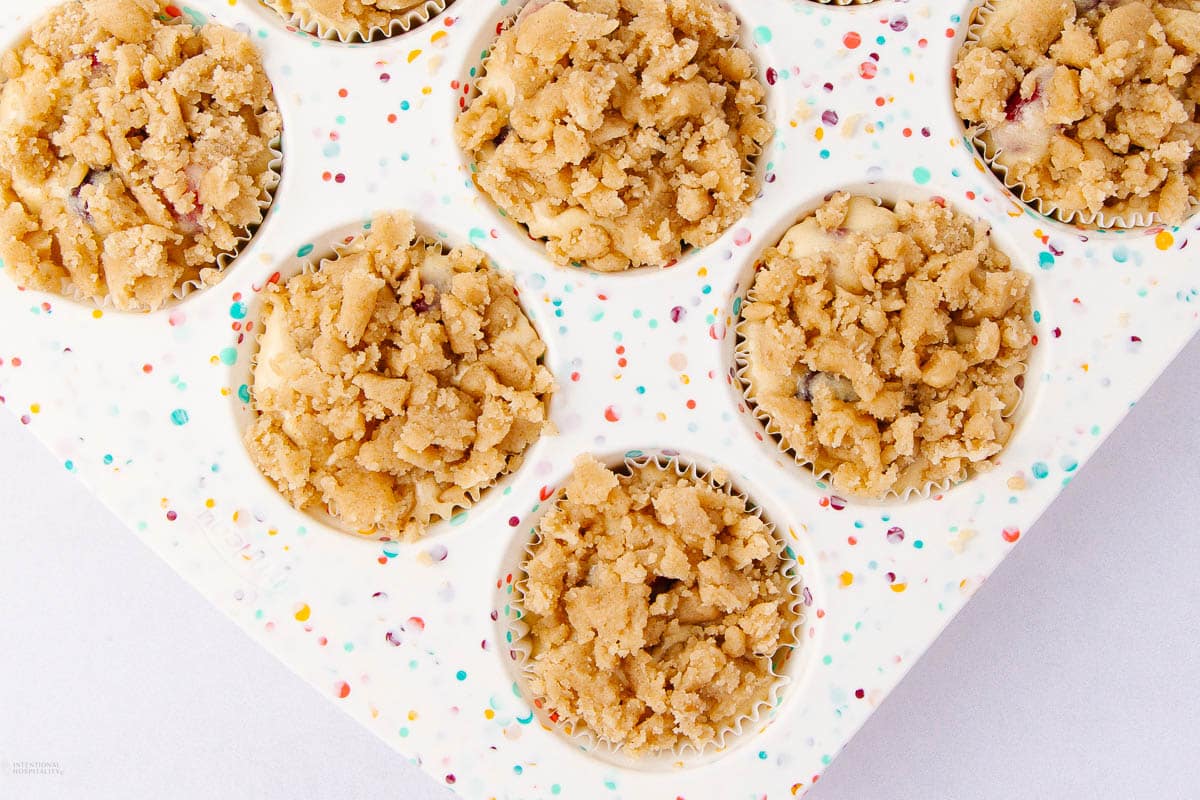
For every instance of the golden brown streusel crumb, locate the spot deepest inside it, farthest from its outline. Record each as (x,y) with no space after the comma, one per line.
(618,132)
(886,345)
(655,603)
(1092,105)
(133,152)
(395,383)
(347,17)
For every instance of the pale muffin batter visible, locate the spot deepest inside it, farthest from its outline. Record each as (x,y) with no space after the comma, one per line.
(133,152)
(348,17)
(887,346)
(655,604)
(1091,105)
(618,133)
(395,383)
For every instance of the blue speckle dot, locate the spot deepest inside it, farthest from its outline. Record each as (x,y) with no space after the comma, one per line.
(179,416)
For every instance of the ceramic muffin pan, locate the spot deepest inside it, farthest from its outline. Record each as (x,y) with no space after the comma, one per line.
(411,638)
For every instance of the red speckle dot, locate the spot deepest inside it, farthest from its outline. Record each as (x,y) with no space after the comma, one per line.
(907,132)
(612,414)
(146,368)
(970,195)
(867,70)
(172,516)
(860,694)
(514,522)
(384,77)
(575,377)
(922,42)
(620,349)
(25,419)
(851,40)
(339,178)
(382,559)
(16,361)
(450,779)
(852,540)
(391,118)
(879,101)
(325,176)
(1011,534)
(949,33)
(343,93)
(691,404)
(342,689)
(622,362)
(1057,332)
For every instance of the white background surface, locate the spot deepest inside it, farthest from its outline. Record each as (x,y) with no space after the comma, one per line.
(1072,674)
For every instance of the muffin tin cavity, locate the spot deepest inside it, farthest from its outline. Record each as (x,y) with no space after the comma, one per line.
(359,403)
(934,402)
(528,654)
(594,205)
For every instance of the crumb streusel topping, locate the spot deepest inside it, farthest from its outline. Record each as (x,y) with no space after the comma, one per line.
(655,603)
(1090,104)
(133,152)
(618,133)
(395,383)
(886,345)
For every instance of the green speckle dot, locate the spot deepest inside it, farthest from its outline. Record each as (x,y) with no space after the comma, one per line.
(762,34)
(827,660)
(404,733)
(228,356)
(243,393)
(304,251)
(461,675)
(921,175)
(179,416)
(70,465)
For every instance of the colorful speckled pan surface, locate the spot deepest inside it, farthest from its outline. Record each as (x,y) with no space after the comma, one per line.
(147,409)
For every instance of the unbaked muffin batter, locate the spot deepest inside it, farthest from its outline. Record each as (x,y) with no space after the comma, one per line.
(395,383)
(133,152)
(618,133)
(655,603)
(886,345)
(1090,104)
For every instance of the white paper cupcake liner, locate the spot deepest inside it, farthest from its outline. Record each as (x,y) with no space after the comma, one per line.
(351,33)
(515,631)
(977,136)
(740,373)
(336,244)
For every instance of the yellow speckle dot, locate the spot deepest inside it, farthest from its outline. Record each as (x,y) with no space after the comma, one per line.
(846,578)
(437,36)
(412,715)
(272,532)
(661,416)
(1164,240)
(35,408)
(224,391)
(1084,367)
(489,714)
(899,587)
(794,124)
(1016,483)
(97,314)
(426,90)
(414,55)
(702,271)
(303,613)
(685,380)
(213,359)
(819,134)
(209,503)
(235,515)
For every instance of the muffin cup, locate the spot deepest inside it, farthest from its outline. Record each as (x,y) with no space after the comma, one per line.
(475,67)
(222,262)
(334,245)
(1091,220)
(306,21)
(515,631)
(741,358)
